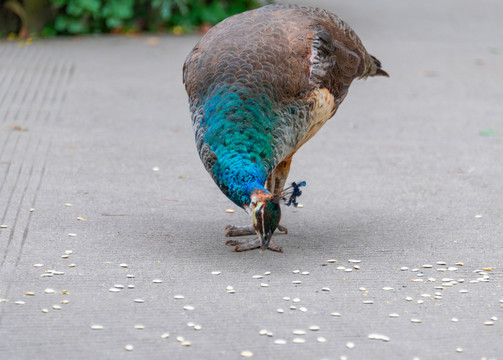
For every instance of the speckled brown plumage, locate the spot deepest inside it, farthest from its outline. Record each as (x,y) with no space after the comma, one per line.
(261,84)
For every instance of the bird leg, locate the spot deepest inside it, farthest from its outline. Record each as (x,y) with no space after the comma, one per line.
(276,181)
(250,244)
(243,230)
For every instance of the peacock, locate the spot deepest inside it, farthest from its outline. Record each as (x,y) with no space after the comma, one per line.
(260,85)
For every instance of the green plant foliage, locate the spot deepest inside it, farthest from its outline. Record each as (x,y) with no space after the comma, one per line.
(102,16)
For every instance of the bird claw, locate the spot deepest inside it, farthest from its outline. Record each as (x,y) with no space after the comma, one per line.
(250,244)
(243,230)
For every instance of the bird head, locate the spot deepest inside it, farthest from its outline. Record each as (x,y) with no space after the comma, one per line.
(266,213)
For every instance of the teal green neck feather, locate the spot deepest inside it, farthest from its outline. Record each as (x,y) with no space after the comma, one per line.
(238,129)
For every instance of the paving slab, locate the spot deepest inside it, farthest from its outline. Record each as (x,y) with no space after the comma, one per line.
(113,234)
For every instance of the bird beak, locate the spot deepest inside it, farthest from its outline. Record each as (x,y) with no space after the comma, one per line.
(260,226)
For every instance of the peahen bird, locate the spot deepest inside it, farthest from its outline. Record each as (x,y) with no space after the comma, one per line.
(260,85)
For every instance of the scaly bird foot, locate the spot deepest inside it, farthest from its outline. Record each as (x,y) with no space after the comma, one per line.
(250,244)
(243,230)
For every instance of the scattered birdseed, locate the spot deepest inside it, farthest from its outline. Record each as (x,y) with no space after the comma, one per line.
(427,266)
(56,307)
(46,275)
(303,309)
(494,318)
(393,315)
(30,293)
(415,320)
(341,268)
(281,311)
(368,301)
(197,327)
(97,327)
(354,261)
(179,297)
(325,289)
(454,319)
(186,343)
(305,273)
(19,302)
(331,261)
(293,307)
(119,286)
(65,292)
(49,291)
(165,335)
(459,263)
(381,337)
(488,323)
(129,347)
(188,307)
(463,291)
(280,342)
(408,298)
(298,340)
(114,290)
(415,270)
(348,270)
(335,314)
(157,281)
(267,273)
(32,209)
(180,338)
(246,353)
(64,302)
(72,235)
(452,268)
(130,276)
(295,300)
(264,285)
(314,328)
(123,265)
(356,267)
(286,298)
(71,265)
(420,301)
(459,349)
(299,332)
(404,268)
(3,226)
(263,332)
(257,276)
(362,289)
(156,169)
(80,218)
(321,339)
(441,263)
(38,265)
(65,256)
(388,288)
(139,300)
(296,282)
(139,327)
(350,345)
(45,310)
(67,205)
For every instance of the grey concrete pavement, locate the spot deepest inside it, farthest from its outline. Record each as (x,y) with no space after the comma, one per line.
(407,179)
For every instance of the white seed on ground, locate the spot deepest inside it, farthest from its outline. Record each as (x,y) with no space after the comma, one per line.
(29,293)
(452,268)
(97,327)
(356,267)
(321,339)
(368,301)
(463,291)
(409,298)
(264,285)
(186,343)
(280,342)
(293,307)
(64,302)
(298,340)
(325,289)
(348,270)
(404,268)
(56,307)
(72,235)
(388,288)
(179,297)
(415,270)
(45,310)
(230,211)
(65,256)
(286,298)
(38,265)
(441,263)
(459,349)
(139,327)
(295,300)
(362,289)
(281,311)
(381,337)
(19,302)
(139,300)
(67,205)
(393,315)
(354,261)
(257,276)
(314,328)
(130,286)
(488,323)
(46,275)
(494,318)
(216,272)
(180,338)
(114,290)
(190,324)
(119,286)
(71,265)
(305,273)
(331,261)
(454,319)
(165,335)
(335,314)
(296,282)
(296,271)
(459,263)
(426,295)
(188,307)
(263,332)
(129,347)
(130,276)
(267,273)
(350,345)
(299,332)
(246,353)
(3,226)
(341,268)
(427,266)
(415,320)
(123,265)
(49,291)
(157,281)
(197,327)
(303,309)
(420,301)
